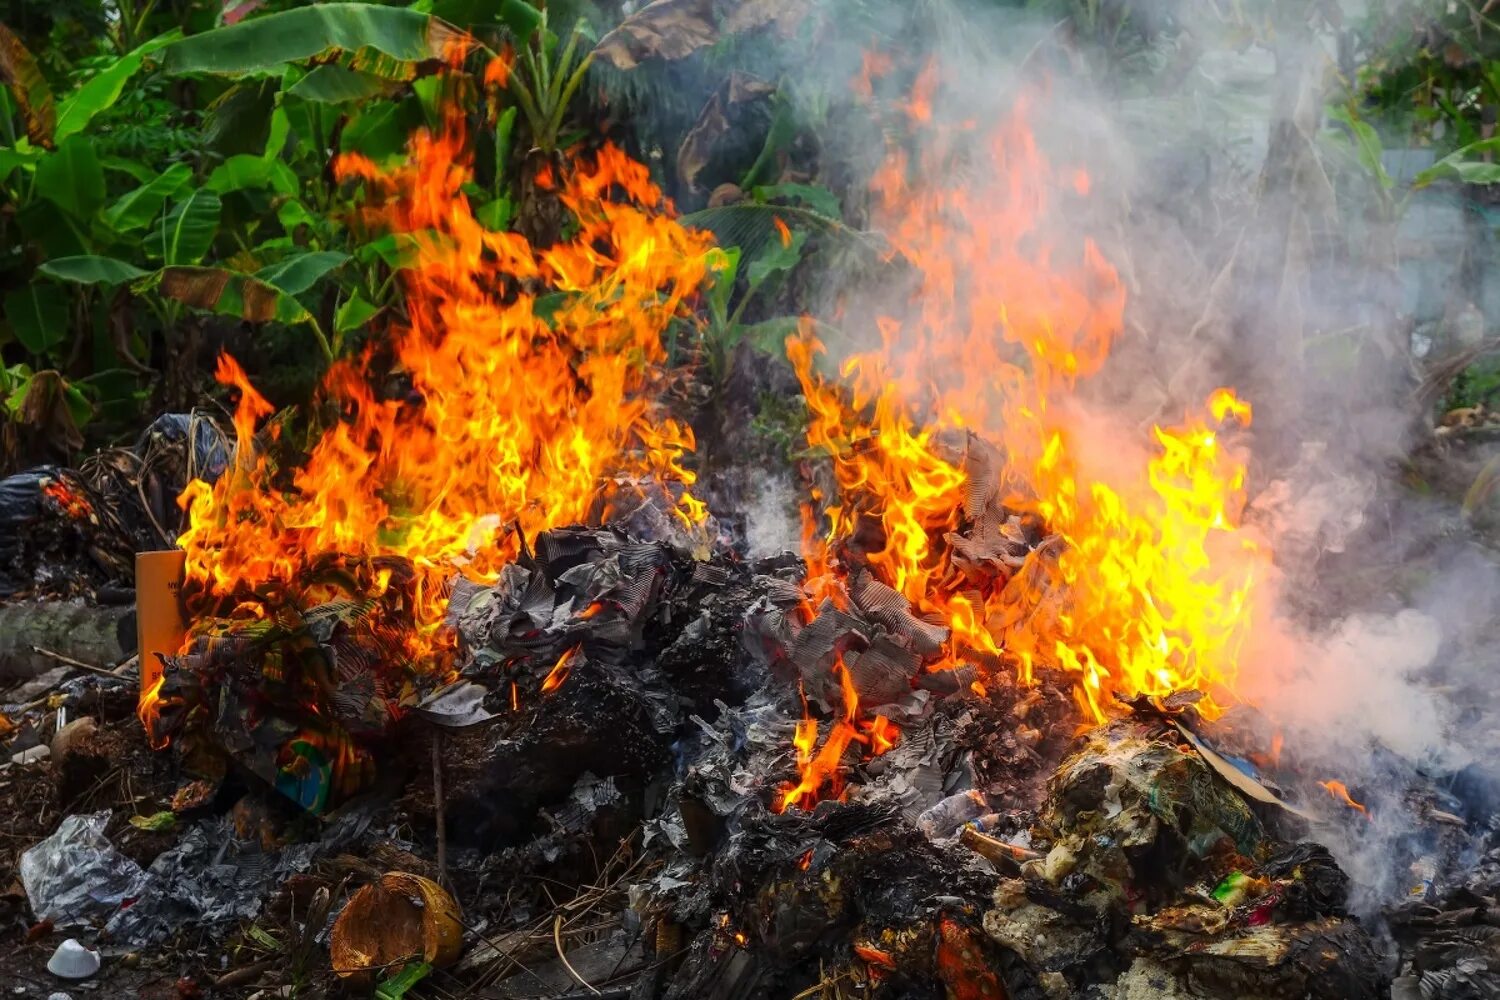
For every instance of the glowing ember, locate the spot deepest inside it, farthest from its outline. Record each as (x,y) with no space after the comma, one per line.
(510,415)
(1341,792)
(1152,586)
(69,502)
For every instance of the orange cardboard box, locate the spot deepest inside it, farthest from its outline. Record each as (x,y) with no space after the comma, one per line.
(160,624)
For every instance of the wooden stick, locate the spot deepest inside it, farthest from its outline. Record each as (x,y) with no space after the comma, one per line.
(75,664)
(438,807)
(993,849)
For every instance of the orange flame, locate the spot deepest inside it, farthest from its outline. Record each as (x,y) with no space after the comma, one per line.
(492,410)
(150,713)
(783,231)
(1152,586)
(559,671)
(877,735)
(1341,792)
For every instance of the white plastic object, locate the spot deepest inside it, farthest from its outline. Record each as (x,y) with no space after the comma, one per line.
(72,960)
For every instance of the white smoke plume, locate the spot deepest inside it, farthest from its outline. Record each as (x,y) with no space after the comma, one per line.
(1255,254)
(771,517)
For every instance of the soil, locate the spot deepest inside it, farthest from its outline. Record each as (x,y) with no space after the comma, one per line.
(112,769)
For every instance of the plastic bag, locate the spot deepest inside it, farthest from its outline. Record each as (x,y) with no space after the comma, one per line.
(20,505)
(213,879)
(76,874)
(210,452)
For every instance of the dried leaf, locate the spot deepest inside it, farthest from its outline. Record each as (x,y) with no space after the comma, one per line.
(29,87)
(673,29)
(664,29)
(713,123)
(698,145)
(47,412)
(230,294)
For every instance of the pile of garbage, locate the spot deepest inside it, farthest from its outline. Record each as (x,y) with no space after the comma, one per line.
(602,784)
(595,795)
(74,532)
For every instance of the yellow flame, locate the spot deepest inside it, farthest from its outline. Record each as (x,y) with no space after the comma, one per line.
(1153,586)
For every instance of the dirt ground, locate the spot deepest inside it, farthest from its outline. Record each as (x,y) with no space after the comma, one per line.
(113,769)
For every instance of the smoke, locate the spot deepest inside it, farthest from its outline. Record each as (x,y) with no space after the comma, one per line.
(1259,253)
(770,517)
(1255,262)
(1256,251)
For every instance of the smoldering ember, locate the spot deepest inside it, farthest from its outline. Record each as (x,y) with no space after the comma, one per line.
(749,499)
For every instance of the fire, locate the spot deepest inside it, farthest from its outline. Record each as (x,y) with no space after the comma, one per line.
(875,956)
(69,502)
(150,713)
(559,671)
(493,410)
(825,767)
(1340,791)
(1152,584)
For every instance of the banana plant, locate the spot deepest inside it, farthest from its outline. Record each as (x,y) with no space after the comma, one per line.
(546,80)
(547,75)
(108,254)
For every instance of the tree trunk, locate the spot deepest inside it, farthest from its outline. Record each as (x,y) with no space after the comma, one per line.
(539,217)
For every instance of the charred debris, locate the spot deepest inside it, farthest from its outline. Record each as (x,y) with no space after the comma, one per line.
(625,788)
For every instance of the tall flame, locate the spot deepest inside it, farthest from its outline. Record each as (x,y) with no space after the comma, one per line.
(511,410)
(1152,586)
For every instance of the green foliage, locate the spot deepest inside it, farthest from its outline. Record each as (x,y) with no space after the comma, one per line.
(547,79)
(1428,71)
(1475,385)
(38,316)
(135,209)
(332,84)
(751,225)
(1465,165)
(782,421)
(91,270)
(72,178)
(166,182)
(185,233)
(104,89)
(173,181)
(299,272)
(1366,146)
(771,242)
(268,43)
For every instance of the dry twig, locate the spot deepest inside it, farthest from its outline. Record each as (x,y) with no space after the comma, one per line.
(557,926)
(439,807)
(76,664)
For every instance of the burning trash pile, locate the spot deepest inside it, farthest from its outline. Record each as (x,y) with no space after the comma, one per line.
(73,533)
(480,693)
